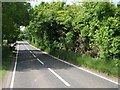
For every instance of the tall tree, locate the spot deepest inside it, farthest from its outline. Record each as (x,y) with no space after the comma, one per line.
(14,15)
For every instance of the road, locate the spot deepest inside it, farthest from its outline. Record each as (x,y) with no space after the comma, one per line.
(35,69)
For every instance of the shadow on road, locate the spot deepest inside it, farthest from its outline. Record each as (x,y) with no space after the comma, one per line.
(26,61)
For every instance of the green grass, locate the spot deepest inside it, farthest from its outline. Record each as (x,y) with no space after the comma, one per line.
(107,67)
(6,60)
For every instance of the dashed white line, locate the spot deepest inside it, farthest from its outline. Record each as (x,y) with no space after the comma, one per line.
(40,61)
(13,75)
(30,52)
(26,47)
(33,55)
(80,68)
(66,83)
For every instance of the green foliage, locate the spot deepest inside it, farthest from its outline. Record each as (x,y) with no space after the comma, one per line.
(14,15)
(69,39)
(6,59)
(89,28)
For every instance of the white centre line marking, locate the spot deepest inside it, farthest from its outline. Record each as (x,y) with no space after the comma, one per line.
(26,47)
(33,55)
(40,61)
(13,75)
(79,67)
(66,83)
(30,52)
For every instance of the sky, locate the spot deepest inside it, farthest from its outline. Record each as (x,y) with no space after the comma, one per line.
(22,28)
(37,2)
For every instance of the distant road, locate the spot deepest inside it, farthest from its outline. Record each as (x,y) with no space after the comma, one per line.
(35,69)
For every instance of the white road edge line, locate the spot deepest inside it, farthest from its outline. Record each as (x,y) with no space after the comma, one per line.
(66,83)
(87,71)
(40,61)
(79,67)
(13,75)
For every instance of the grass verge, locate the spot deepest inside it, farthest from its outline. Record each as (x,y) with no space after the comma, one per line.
(6,60)
(107,67)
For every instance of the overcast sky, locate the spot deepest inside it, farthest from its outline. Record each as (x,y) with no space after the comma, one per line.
(36,2)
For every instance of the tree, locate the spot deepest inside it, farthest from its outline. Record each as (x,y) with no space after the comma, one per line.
(14,15)
(89,28)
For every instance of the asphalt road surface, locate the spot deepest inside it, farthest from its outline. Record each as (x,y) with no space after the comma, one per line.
(35,69)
